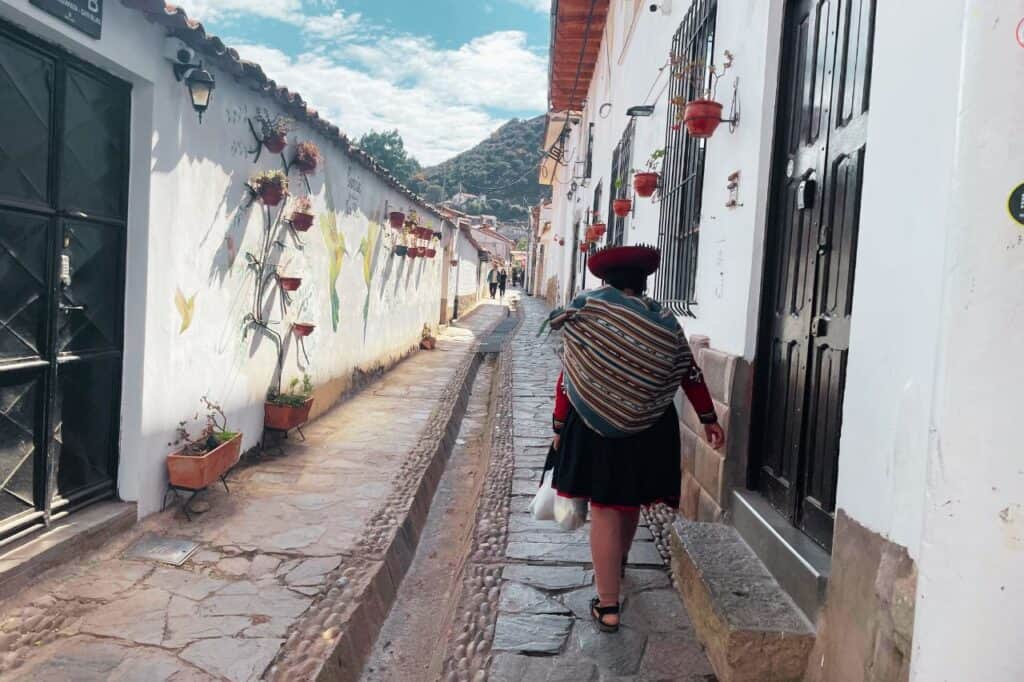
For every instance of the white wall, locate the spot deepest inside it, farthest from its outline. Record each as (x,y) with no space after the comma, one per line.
(629,72)
(190,225)
(970,608)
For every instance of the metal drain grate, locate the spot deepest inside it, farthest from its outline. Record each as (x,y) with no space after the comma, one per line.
(151,547)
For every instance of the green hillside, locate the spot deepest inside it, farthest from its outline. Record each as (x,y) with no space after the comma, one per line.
(503,167)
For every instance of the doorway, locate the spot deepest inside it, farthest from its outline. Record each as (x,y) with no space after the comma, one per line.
(64,140)
(810,258)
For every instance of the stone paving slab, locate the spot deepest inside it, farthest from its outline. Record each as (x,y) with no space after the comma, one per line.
(293,570)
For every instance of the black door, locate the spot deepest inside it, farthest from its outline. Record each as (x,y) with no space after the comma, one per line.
(63,197)
(810,257)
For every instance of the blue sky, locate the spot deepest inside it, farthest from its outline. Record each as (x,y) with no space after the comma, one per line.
(445,73)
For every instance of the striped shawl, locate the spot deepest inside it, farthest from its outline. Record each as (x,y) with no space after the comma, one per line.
(624,360)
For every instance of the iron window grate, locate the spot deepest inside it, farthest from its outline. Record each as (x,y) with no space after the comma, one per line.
(622,162)
(682,174)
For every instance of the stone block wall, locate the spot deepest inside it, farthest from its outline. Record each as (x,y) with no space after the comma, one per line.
(709,476)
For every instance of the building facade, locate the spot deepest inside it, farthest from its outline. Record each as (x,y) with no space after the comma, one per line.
(845,249)
(142,274)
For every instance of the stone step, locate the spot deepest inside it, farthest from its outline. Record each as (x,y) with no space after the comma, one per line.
(751,629)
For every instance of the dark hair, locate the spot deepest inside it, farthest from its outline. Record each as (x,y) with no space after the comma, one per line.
(627,278)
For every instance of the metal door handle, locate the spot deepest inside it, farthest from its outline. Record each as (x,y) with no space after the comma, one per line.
(69,308)
(820,327)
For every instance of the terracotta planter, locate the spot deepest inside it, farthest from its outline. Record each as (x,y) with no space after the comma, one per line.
(702,117)
(290,283)
(284,417)
(645,184)
(197,472)
(622,207)
(275,144)
(401,250)
(302,329)
(302,221)
(596,231)
(414,252)
(428,343)
(271,195)
(584,247)
(397,219)
(431,253)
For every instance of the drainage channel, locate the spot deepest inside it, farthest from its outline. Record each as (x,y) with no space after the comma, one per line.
(410,645)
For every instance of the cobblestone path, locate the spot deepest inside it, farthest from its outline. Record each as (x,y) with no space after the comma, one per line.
(295,566)
(523,612)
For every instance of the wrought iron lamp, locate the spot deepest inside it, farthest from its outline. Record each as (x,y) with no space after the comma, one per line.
(200,83)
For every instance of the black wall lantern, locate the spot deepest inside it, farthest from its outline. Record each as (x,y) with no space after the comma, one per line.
(200,83)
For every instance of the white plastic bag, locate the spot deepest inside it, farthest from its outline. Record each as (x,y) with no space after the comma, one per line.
(570,512)
(543,506)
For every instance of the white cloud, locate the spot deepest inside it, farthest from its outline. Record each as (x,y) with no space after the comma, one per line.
(363,77)
(542,6)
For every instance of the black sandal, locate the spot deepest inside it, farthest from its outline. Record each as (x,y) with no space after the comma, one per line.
(625,560)
(598,613)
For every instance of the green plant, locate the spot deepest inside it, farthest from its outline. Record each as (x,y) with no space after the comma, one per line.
(270,178)
(276,126)
(214,431)
(652,165)
(308,157)
(296,395)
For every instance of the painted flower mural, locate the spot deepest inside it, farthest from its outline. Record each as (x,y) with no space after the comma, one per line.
(367,248)
(336,251)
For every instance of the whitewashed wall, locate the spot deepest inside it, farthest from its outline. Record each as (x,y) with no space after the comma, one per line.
(190,225)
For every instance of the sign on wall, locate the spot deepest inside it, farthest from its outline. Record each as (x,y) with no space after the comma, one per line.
(85,15)
(1016,204)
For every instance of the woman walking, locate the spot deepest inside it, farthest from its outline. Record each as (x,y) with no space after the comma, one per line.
(503,282)
(616,427)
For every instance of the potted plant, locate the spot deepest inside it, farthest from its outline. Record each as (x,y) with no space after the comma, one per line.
(427,340)
(307,158)
(646,182)
(703,114)
(275,132)
(270,187)
(454,262)
(290,283)
(413,252)
(430,253)
(596,231)
(285,411)
(397,220)
(401,250)
(198,461)
(303,329)
(622,207)
(302,214)
(584,247)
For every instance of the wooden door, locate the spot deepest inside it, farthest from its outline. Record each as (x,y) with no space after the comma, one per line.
(810,257)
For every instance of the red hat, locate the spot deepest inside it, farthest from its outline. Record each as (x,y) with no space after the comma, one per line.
(640,257)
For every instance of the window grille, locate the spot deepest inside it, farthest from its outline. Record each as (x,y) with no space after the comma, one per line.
(622,167)
(682,172)
(588,170)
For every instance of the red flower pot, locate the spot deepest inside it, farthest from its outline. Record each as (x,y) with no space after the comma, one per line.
(584,247)
(454,263)
(275,144)
(414,252)
(285,417)
(302,221)
(290,283)
(196,472)
(598,230)
(303,328)
(397,219)
(645,184)
(271,195)
(622,207)
(431,253)
(306,167)
(702,117)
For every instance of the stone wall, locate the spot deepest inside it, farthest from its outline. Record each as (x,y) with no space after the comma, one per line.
(866,630)
(710,476)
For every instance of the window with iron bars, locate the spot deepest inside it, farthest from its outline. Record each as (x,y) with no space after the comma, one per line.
(622,163)
(682,171)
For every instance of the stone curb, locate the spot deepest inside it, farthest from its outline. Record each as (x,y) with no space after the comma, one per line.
(334,638)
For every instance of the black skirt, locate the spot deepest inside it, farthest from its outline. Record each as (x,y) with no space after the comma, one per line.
(629,472)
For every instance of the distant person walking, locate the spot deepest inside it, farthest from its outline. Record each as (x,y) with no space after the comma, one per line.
(492,281)
(503,282)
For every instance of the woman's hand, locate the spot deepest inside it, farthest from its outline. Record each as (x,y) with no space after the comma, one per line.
(715,435)
(556,440)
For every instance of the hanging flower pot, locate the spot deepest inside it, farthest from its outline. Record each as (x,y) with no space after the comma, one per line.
(303,329)
(454,263)
(561,241)
(270,186)
(622,207)
(290,283)
(414,252)
(276,143)
(431,253)
(397,220)
(401,250)
(584,247)
(598,230)
(645,184)
(307,158)
(302,221)
(702,117)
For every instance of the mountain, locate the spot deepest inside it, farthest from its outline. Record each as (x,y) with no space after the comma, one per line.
(503,168)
